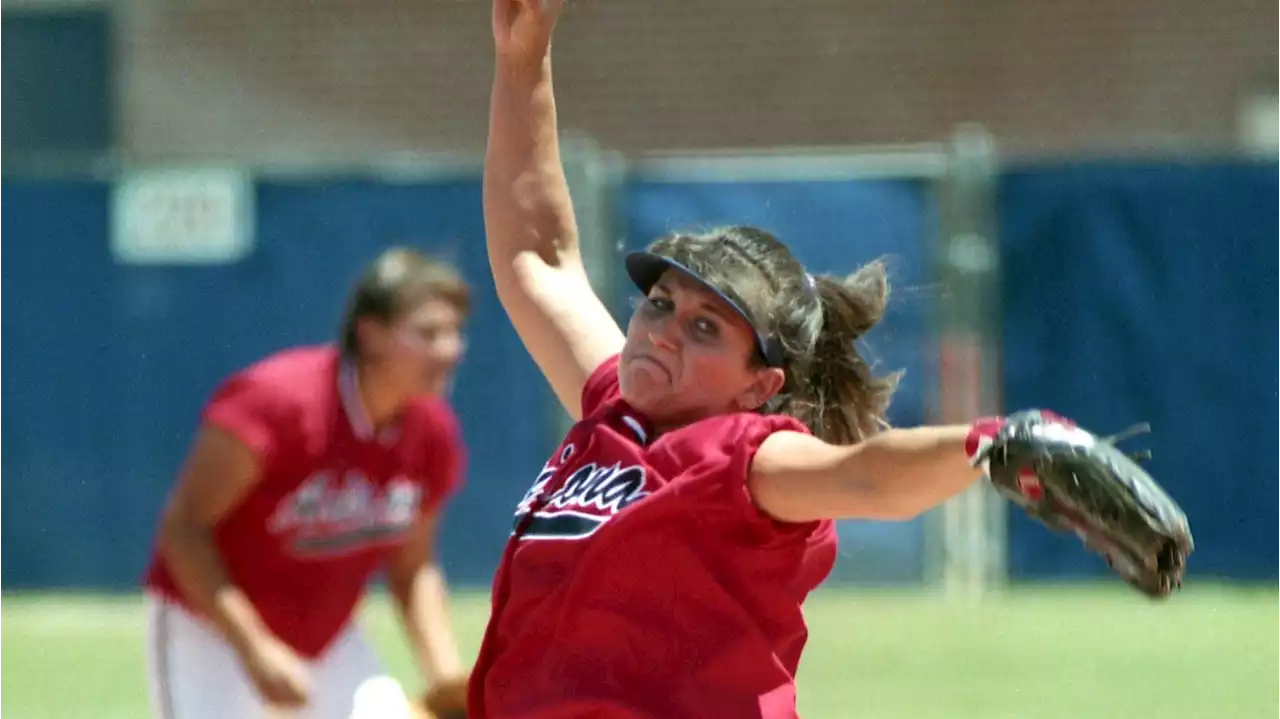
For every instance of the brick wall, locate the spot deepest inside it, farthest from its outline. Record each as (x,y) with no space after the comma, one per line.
(249,78)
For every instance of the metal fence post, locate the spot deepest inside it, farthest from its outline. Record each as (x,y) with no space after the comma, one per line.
(593,175)
(968,265)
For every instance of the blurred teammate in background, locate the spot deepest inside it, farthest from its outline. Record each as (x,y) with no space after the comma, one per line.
(311,469)
(660,559)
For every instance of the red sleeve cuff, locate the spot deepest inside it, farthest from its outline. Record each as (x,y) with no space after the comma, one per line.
(982,434)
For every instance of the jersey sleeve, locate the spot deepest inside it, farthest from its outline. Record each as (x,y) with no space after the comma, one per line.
(445,462)
(601,387)
(722,452)
(250,410)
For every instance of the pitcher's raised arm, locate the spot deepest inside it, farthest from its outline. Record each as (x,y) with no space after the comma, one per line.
(529,224)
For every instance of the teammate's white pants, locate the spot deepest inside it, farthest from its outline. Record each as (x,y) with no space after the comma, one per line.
(194,674)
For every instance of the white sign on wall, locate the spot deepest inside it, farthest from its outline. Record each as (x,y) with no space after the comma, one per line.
(182,216)
(1259,119)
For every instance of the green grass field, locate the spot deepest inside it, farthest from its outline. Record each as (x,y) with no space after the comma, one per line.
(1069,652)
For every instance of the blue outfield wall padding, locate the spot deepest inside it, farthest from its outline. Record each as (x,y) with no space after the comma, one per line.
(1147,292)
(110,364)
(1132,292)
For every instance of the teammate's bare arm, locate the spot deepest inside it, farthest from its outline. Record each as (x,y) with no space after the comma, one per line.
(895,475)
(219,470)
(531,232)
(419,588)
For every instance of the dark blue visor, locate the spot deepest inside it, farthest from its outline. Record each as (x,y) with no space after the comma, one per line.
(645,268)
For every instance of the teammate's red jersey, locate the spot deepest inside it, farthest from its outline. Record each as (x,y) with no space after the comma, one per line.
(332,498)
(641,581)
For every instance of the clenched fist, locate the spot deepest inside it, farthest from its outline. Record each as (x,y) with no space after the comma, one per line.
(522,28)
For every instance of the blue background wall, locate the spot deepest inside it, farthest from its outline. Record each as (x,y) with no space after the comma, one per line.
(1148,293)
(107,366)
(1132,292)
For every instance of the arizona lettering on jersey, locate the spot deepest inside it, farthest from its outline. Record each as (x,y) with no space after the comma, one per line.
(330,515)
(589,497)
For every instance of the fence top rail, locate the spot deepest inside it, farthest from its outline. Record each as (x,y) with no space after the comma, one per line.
(926,161)
(392,167)
(794,164)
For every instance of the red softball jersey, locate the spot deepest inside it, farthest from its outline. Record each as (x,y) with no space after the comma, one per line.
(333,499)
(640,579)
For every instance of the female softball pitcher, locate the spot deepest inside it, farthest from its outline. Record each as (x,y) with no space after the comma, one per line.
(659,561)
(313,468)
